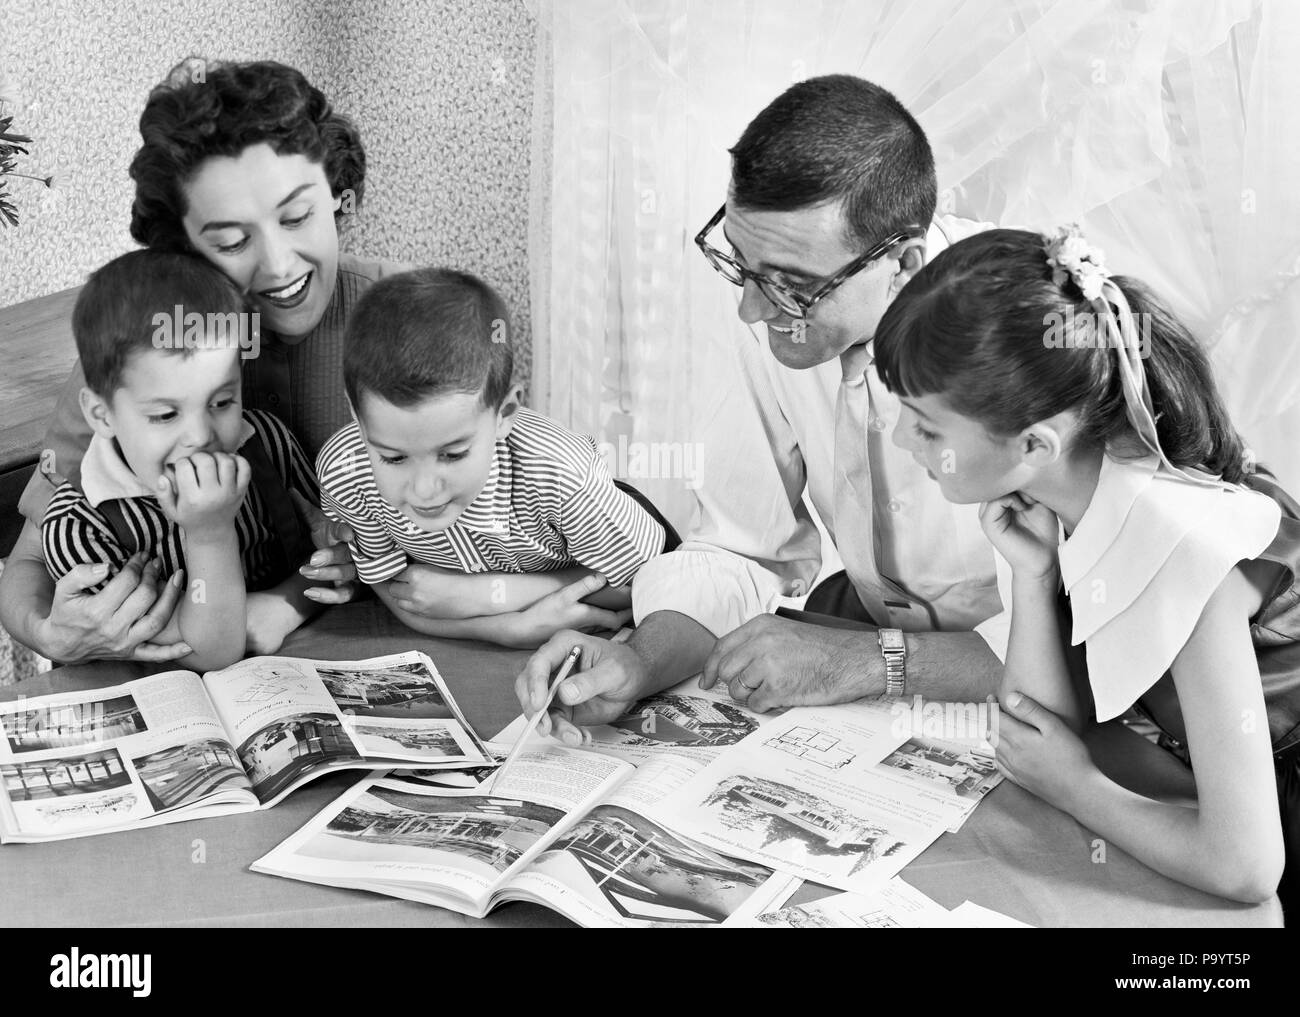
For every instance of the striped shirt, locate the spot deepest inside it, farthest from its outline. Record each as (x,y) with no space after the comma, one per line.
(548,503)
(76,530)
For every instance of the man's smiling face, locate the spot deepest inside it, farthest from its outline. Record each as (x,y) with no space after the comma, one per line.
(802,249)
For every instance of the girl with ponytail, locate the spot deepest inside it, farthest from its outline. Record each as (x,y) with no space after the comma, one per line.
(1083,418)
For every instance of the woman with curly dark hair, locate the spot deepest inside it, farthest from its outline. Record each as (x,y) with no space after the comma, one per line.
(248,166)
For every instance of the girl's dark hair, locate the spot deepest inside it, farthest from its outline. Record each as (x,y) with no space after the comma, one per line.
(985,326)
(208,108)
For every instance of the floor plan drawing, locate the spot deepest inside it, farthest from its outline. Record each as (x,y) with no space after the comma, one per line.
(812,745)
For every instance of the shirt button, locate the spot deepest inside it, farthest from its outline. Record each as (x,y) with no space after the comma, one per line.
(273,399)
(877,424)
(895,505)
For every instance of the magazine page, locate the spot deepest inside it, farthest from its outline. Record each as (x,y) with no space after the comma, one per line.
(685,720)
(896,905)
(947,749)
(616,868)
(969,915)
(291,719)
(444,846)
(79,763)
(808,796)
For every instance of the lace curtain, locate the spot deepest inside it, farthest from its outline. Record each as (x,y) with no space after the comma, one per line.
(1165,128)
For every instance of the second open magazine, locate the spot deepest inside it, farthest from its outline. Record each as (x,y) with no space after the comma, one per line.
(179,746)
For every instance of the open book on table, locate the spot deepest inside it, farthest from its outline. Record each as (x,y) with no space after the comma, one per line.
(179,746)
(564,828)
(570,829)
(690,809)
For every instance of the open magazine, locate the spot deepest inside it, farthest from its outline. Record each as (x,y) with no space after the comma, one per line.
(843,796)
(562,827)
(178,746)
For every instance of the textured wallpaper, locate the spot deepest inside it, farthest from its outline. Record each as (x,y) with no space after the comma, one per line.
(442,91)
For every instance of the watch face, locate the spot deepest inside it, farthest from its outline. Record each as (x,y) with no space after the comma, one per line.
(892,639)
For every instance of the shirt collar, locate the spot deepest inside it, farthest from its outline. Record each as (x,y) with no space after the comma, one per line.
(105,475)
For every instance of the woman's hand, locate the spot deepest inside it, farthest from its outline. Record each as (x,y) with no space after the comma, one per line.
(117,623)
(1025,532)
(1038,751)
(332,562)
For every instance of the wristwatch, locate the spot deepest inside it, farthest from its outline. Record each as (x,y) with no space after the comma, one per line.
(894,651)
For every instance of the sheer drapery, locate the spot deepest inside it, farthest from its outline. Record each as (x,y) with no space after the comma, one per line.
(1165,128)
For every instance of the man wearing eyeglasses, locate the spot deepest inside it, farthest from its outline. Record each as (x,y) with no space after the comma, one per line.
(830,213)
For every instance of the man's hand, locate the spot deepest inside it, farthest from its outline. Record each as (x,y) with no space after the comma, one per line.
(204,494)
(610,677)
(118,622)
(770,663)
(564,610)
(332,562)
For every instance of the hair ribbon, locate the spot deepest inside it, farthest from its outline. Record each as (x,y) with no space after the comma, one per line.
(1073,258)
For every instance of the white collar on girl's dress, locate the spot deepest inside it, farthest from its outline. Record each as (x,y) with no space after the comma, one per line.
(105,474)
(1144,560)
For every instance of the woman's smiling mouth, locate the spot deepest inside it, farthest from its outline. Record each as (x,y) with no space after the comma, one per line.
(288,296)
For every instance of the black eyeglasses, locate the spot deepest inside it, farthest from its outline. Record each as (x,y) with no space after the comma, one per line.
(788,300)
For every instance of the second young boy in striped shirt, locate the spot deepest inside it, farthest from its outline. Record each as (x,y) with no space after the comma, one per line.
(443,466)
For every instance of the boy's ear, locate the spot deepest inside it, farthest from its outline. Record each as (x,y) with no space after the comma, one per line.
(508,411)
(96,412)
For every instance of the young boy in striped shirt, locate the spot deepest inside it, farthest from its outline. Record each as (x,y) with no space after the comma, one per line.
(444,467)
(176,471)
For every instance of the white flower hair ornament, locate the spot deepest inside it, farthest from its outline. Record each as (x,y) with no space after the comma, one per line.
(1073,258)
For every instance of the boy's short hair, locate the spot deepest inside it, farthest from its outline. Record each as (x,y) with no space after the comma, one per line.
(115,316)
(426,333)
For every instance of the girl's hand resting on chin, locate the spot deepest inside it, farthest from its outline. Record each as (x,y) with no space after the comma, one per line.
(1025,532)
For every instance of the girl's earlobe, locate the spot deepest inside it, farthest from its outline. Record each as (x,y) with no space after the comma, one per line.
(1042,444)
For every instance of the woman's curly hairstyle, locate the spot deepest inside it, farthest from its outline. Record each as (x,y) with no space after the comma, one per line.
(206,108)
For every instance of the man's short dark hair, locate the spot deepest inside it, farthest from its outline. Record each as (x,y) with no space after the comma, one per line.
(116,312)
(838,138)
(427,333)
